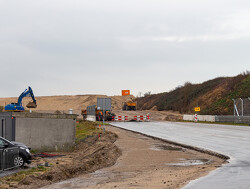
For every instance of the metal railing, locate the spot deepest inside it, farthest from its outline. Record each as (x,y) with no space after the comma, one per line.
(233,119)
(241,107)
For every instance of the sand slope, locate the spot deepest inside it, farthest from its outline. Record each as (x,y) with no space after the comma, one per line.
(64,103)
(51,104)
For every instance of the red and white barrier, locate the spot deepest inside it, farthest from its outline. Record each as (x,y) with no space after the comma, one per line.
(195,117)
(121,118)
(136,118)
(142,118)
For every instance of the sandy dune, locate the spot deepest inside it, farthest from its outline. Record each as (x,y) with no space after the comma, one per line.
(64,103)
(50,104)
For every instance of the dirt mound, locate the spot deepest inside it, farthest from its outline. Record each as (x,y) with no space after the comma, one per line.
(172,117)
(62,104)
(91,154)
(51,104)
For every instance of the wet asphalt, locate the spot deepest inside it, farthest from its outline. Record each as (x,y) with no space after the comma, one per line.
(233,141)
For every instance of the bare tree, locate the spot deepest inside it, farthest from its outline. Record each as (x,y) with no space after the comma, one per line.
(147,93)
(139,94)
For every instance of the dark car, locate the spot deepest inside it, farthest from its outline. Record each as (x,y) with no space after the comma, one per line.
(13,154)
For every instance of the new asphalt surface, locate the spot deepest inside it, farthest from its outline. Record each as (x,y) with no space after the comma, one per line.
(233,141)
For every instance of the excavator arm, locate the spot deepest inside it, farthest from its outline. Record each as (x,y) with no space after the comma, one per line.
(31,104)
(18,106)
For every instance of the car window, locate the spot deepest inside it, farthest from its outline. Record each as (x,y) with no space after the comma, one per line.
(2,142)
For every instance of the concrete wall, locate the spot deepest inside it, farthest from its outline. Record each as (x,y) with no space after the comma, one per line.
(45,133)
(91,118)
(208,118)
(187,117)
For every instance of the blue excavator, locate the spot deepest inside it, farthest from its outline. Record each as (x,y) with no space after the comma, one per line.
(17,107)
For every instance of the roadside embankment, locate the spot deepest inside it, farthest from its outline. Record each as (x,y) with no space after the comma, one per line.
(91,153)
(146,163)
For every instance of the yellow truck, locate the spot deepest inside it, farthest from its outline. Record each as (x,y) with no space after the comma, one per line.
(129,106)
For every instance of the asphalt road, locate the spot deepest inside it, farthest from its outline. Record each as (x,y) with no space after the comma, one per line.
(233,141)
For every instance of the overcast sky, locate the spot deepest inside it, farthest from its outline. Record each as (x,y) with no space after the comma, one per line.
(73,47)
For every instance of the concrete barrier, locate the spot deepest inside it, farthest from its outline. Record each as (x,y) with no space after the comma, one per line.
(91,118)
(42,132)
(187,117)
(209,118)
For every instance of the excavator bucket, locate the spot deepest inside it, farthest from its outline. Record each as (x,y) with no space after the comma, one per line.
(31,105)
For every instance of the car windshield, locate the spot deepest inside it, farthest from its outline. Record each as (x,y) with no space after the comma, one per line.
(4,141)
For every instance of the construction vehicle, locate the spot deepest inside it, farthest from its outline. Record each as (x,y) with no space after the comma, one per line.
(84,114)
(129,105)
(108,115)
(17,107)
(93,110)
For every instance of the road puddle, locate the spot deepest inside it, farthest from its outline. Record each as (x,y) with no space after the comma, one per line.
(190,162)
(158,147)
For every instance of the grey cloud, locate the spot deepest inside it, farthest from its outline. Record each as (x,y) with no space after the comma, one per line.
(144,45)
